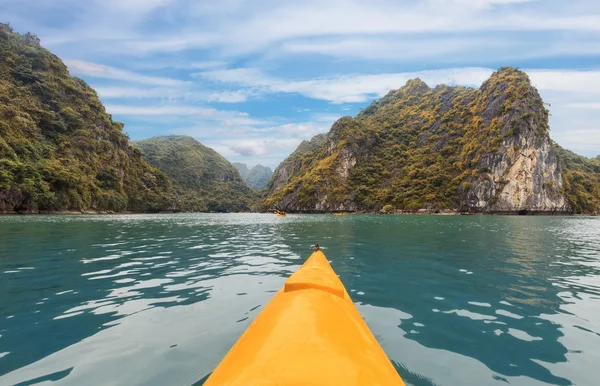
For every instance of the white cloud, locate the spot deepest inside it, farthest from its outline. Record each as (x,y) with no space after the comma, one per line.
(228,96)
(351,88)
(264,143)
(303,130)
(250,148)
(476,3)
(566,80)
(268,152)
(161,110)
(79,67)
(133,6)
(325,117)
(443,49)
(180,65)
(396,47)
(133,92)
(117,92)
(225,117)
(262,146)
(359,88)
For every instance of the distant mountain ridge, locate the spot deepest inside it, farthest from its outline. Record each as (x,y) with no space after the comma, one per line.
(443,148)
(59,148)
(203,180)
(256,178)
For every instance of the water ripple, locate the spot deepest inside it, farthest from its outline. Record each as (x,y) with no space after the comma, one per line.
(142,297)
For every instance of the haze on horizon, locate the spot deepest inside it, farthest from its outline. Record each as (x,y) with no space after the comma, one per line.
(252,79)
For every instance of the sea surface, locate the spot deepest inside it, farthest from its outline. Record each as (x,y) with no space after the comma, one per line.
(159,299)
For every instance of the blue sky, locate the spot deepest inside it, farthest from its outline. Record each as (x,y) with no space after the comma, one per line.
(252,79)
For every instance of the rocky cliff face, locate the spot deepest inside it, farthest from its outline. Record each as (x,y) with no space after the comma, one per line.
(524,173)
(522,177)
(293,164)
(456,148)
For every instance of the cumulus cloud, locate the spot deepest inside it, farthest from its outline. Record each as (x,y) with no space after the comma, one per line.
(262,146)
(250,148)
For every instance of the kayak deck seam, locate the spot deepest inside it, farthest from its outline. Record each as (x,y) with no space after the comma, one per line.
(298,286)
(316,273)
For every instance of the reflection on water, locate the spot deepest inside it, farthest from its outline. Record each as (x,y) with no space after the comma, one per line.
(159,299)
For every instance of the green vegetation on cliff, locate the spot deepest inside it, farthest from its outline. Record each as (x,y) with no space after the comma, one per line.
(59,149)
(204,181)
(304,156)
(582,180)
(438,148)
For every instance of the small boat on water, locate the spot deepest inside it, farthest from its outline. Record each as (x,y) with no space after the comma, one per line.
(340,214)
(310,333)
(280,213)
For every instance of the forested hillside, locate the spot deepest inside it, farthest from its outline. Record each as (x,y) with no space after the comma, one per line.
(204,181)
(59,149)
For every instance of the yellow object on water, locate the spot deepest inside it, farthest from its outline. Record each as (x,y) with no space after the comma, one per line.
(340,214)
(310,333)
(281,214)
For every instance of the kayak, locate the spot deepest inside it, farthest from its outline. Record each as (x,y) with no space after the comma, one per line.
(340,214)
(310,333)
(281,214)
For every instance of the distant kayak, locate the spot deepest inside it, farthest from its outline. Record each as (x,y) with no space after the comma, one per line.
(310,333)
(280,213)
(340,214)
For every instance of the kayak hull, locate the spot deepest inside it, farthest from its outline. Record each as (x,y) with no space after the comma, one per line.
(310,333)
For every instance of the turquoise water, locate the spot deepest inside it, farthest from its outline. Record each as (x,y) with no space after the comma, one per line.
(159,299)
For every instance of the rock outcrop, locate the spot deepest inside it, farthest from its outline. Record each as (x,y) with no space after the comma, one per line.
(434,149)
(292,165)
(523,175)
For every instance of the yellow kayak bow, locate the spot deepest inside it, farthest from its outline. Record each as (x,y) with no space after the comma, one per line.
(310,333)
